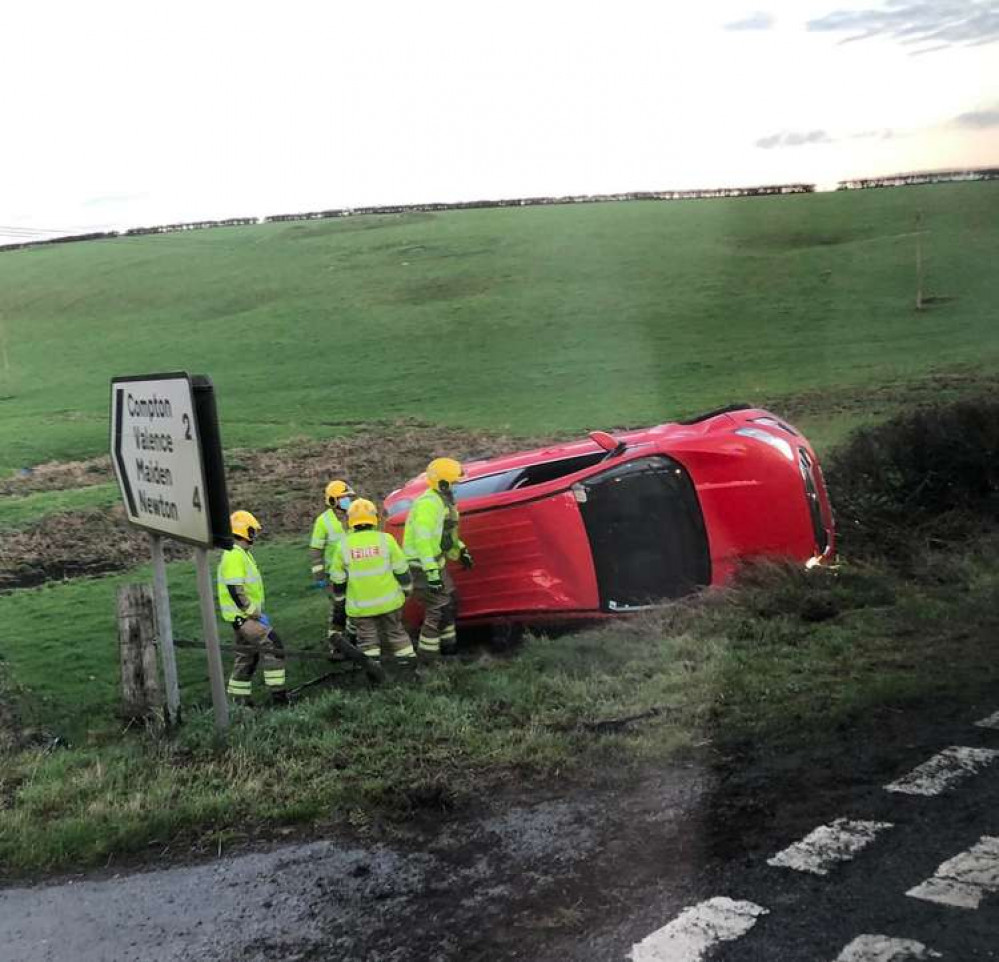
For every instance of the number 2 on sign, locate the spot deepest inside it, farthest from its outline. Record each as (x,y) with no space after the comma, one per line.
(196,500)
(187,431)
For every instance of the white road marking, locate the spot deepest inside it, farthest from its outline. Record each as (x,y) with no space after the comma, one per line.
(943,771)
(827,845)
(991,722)
(879,948)
(697,930)
(965,879)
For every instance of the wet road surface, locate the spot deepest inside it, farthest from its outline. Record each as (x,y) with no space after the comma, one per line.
(788,857)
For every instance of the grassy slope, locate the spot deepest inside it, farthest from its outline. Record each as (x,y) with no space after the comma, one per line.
(554,318)
(60,639)
(755,667)
(21,511)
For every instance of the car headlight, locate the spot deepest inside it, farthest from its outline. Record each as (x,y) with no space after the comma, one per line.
(767,438)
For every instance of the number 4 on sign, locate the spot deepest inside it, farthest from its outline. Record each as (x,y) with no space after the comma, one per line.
(196,500)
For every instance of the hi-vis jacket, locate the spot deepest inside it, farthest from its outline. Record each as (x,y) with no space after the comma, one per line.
(431,533)
(238,575)
(371,564)
(327,533)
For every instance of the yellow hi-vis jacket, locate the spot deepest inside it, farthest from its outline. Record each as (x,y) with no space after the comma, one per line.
(327,533)
(431,533)
(371,564)
(238,568)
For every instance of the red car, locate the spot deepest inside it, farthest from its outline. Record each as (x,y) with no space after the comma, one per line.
(612,524)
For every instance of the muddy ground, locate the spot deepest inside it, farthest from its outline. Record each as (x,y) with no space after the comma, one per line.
(582,873)
(283,486)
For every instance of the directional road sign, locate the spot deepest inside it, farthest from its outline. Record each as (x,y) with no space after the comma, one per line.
(157,456)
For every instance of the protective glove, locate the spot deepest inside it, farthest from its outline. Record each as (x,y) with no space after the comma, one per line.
(339,619)
(320,583)
(466,559)
(434,581)
(264,620)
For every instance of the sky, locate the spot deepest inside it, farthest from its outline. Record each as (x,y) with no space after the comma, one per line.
(118,114)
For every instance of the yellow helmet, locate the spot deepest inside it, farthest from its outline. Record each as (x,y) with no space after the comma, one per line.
(444,472)
(362,511)
(244,525)
(338,489)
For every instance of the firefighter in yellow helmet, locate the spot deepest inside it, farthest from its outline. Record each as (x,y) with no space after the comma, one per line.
(431,540)
(370,582)
(328,532)
(241,599)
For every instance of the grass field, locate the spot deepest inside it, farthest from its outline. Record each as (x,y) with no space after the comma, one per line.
(534,322)
(788,658)
(531,320)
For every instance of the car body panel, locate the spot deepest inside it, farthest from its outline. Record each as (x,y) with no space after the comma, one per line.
(544,552)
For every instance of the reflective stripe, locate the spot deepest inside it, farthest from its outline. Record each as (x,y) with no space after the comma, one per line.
(448,633)
(316,569)
(274,678)
(430,644)
(371,652)
(373,573)
(242,688)
(375,602)
(407,652)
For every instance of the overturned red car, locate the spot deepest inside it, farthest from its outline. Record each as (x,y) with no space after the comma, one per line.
(615,523)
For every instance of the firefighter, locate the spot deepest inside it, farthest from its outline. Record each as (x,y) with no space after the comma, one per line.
(241,598)
(327,533)
(429,541)
(370,582)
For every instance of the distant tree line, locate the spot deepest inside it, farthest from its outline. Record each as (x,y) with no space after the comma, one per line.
(920,177)
(548,201)
(711,192)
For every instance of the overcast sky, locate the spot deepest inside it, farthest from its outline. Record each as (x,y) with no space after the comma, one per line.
(141,112)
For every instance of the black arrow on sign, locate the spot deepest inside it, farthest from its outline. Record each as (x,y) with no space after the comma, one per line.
(119,405)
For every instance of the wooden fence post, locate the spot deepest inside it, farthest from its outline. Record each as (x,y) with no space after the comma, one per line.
(142,692)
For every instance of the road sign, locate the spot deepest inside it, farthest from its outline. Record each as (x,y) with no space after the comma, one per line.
(167,456)
(157,454)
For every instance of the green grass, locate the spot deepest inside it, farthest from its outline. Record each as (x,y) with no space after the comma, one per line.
(781,662)
(21,511)
(535,320)
(61,644)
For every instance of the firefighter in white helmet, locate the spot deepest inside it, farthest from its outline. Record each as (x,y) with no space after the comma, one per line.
(431,540)
(241,599)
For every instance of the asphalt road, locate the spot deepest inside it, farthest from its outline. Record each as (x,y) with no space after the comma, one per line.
(656,868)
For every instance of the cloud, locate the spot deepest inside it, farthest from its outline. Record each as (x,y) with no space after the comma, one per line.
(978,119)
(794,138)
(884,133)
(925,26)
(755,21)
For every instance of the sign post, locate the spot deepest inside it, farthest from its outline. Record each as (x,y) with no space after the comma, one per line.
(164,630)
(167,457)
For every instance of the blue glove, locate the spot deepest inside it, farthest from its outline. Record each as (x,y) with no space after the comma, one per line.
(320,584)
(264,620)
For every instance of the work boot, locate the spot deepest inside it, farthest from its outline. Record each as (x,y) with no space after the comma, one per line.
(280,699)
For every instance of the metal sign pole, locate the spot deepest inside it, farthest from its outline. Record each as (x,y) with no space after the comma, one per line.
(164,630)
(211,632)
